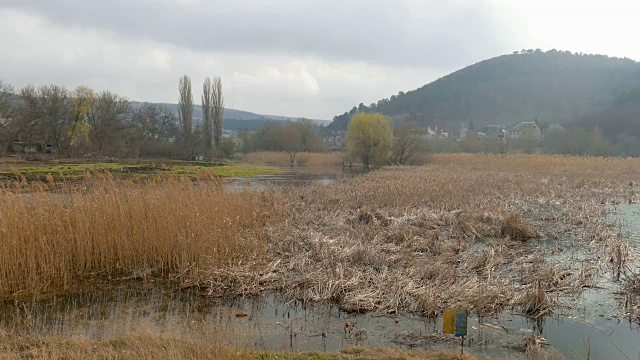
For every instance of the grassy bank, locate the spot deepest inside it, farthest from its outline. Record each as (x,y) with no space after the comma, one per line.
(131,169)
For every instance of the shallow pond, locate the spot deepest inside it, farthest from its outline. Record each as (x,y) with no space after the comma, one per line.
(293,176)
(592,322)
(274,324)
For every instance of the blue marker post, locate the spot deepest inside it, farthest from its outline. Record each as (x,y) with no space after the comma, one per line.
(461,327)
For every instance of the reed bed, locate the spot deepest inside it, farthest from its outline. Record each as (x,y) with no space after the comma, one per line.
(461,232)
(65,236)
(304,158)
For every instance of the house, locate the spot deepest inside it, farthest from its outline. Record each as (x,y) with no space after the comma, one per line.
(443,133)
(525,130)
(490,132)
(334,139)
(467,130)
(437,133)
(493,131)
(229,133)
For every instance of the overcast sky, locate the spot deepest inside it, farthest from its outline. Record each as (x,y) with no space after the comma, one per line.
(312,58)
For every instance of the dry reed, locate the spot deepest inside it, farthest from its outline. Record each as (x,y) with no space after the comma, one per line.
(424,239)
(415,239)
(146,346)
(52,240)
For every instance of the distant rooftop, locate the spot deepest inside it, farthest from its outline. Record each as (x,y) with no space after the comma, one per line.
(523,125)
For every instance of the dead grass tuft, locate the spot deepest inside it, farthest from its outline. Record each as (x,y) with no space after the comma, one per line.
(517,228)
(534,301)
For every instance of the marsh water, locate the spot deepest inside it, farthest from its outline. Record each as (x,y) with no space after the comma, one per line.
(593,322)
(293,176)
(271,323)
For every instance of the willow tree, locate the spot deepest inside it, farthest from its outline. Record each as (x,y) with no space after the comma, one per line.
(369,138)
(207,113)
(186,113)
(81,104)
(218,110)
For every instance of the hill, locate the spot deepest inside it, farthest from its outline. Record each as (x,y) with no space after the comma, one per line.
(622,117)
(553,86)
(235,119)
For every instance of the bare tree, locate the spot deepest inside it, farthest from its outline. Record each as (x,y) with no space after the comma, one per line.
(28,123)
(218,109)
(151,123)
(49,110)
(408,144)
(186,113)
(7,105)
(207,113)
(7,112)
(291,140)
(109,118)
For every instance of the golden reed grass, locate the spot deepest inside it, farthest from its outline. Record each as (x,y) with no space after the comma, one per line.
(306,158)
(170,228)
(144,346)
(417,252)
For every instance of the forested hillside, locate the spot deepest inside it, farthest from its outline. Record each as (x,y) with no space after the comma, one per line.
(620,118)
(554,87)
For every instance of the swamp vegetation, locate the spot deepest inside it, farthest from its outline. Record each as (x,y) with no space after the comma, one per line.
(464,231)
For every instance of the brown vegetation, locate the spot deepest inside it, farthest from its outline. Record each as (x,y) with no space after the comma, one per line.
(400,239)
(516,228)
(164,347)
(53,240)
(424,239)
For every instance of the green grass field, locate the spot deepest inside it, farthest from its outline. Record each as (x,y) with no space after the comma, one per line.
(30,171)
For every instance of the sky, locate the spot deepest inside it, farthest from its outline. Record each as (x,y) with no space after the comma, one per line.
(300,58)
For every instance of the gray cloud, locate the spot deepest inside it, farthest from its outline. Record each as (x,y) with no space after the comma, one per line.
(309,58)
(398,33)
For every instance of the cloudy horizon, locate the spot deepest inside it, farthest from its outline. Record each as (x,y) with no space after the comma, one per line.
(293,58)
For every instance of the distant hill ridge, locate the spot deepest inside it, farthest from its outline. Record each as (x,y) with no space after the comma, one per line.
(553,87)
(235,119)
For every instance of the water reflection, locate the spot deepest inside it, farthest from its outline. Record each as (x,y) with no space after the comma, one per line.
(295,177)
(275,324)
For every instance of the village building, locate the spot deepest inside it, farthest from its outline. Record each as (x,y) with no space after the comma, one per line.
(525,130)
(334,139)
(436,133)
